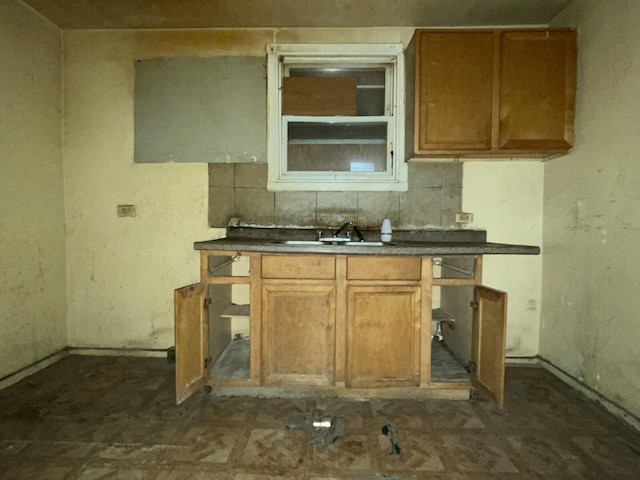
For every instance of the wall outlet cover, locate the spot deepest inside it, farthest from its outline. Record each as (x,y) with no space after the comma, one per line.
(464,217)
(126,210)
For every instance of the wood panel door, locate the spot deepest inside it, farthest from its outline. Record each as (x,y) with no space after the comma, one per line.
(298,328)
(454,90)
(537,90)
(383,336)
(488,345)
(191,337)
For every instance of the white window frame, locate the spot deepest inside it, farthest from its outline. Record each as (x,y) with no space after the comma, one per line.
(280,57)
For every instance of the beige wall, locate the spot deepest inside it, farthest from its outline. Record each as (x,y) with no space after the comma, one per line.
(506,200)
(32,257)
(121,272)
(590,325)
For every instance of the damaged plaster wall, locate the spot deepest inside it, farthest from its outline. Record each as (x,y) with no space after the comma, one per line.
(590,326)
(32,258)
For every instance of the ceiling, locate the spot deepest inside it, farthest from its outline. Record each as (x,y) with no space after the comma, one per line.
(117,14)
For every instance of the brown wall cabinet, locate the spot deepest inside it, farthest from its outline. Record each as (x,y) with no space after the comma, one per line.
(494,92)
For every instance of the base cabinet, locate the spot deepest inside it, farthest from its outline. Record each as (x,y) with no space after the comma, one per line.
(348,324)
(383,340)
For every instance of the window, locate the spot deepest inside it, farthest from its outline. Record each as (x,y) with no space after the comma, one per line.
(336,117)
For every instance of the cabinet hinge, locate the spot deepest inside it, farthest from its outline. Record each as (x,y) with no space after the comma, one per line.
(207,362)
(473,304)
(473,367)
(206,302)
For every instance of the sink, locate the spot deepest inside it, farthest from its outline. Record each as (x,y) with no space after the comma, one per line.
(302,242)
(334,242)
(366,244)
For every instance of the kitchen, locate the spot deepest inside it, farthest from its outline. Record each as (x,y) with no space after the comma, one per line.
(93,288)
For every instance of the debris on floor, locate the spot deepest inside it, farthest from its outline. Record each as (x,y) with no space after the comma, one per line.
(392,434)
(380,476)
(324,429)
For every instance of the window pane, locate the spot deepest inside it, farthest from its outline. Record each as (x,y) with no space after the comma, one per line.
(370,85)
(337,147)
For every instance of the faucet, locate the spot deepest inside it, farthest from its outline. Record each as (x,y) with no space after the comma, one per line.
(358,233)
(355,229)
(342,228)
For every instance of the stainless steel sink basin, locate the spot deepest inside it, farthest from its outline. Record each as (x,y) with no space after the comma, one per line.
(302,242)
(366,244)
(333,242)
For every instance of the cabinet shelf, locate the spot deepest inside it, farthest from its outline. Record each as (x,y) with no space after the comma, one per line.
(440,315)
(237,311)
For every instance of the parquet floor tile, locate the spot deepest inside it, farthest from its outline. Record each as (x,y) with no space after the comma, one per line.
(90,418)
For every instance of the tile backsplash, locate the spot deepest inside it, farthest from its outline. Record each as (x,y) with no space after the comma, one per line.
(239,190)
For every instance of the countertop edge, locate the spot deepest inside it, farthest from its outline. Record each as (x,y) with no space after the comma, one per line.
(398,248)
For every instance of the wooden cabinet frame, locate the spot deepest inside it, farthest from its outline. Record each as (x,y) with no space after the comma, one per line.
(340,285)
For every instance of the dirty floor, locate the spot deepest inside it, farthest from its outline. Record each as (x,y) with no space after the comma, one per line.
(114,417)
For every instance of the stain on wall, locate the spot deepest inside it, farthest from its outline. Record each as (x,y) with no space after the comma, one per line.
(590,325)
(240,192)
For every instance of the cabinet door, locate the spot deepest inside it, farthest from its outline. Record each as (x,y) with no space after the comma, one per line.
(298,325)
(454,88)
(488,345)
(383,336)
(537,90)
(191,326)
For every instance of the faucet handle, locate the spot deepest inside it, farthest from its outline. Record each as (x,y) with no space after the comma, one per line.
(342,228)
(357,231)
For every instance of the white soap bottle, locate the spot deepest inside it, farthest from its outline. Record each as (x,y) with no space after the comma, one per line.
(385,230)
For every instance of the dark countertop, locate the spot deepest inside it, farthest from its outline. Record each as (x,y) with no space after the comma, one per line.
(420,243)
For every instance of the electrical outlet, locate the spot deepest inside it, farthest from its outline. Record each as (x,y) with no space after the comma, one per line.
(126,210)
(464,217)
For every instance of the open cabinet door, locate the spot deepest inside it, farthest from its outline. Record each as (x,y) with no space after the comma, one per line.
(488,346)
(191,322)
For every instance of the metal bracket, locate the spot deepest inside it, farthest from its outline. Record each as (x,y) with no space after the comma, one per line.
(473,366)
(438,262)
(235,258)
